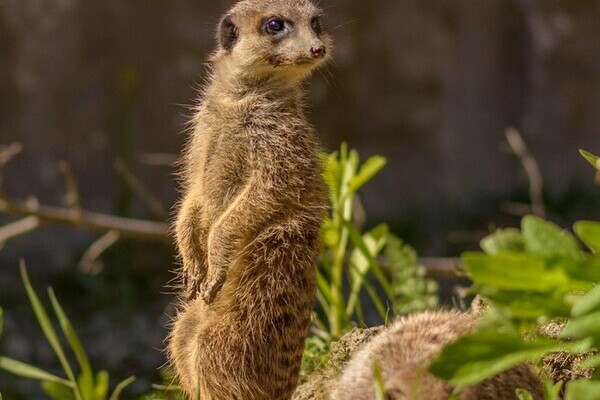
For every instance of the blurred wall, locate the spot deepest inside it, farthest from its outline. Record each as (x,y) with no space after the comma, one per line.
(431,85)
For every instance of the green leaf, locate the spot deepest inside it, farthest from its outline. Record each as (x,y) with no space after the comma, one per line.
(526,305)
(588,303)
(583,327)
(547,240)
(86,379)
(552,391)
(586,270)
(513,271)
(581,389)
(29,371)
(592,362)
(120,387)
(57,391)
(366,172)
(101,388)
(379,383)
(47,328)
(523,394)
(482,354)
(589,233)
(592,159)
(503,240)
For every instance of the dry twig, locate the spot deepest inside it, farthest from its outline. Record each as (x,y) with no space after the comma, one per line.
(530,165)
(18,228)
(8,152)
(140,190)
(126,227)
(89,262)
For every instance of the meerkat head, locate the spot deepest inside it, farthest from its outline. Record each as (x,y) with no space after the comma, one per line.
(260,39)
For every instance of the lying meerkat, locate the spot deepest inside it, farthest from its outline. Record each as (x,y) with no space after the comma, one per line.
(403,352)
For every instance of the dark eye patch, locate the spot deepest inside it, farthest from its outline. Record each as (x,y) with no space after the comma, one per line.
(315,24)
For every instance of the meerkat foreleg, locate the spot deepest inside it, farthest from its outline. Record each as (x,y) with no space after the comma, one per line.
(189,239)
(250,208)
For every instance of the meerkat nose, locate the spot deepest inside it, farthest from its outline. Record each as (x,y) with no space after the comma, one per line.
(318,51)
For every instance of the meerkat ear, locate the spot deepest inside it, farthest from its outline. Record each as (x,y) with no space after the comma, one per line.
(227,33)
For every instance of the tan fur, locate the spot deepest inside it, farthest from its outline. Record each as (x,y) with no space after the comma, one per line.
(249,222)
(403,352)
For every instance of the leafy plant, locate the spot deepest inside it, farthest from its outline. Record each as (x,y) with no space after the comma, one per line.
(530,276)
(86,385)
(413,291)
(350,260)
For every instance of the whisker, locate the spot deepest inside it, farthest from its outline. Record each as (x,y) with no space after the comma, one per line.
(346,23)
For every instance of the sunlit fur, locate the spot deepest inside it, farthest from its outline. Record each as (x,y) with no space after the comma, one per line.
(248,225)
(403,352)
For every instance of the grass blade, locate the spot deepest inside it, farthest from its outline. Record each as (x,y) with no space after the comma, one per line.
(592,159)
(29,371)
(48,329)
(120,387)
(87,377)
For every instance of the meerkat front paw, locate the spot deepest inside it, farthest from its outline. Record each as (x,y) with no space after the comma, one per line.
(208,289)
(193,276)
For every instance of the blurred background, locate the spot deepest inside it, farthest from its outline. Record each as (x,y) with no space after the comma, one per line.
(97,94)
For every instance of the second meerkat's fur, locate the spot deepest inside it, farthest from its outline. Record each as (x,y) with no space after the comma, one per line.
(403,352)
(249,223)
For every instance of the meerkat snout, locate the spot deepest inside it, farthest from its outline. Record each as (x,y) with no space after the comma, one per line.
(318,51)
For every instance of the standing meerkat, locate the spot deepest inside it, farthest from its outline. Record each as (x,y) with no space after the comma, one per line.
(249,223)
(403,352)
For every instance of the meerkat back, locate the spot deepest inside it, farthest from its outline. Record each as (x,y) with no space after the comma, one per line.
(253,201)
(403,351)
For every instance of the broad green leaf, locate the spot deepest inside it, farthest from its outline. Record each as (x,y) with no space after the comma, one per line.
(101,389)
(513,271)
(592,159)
(585,270)
(592,362)
(47,328)
(588,303)
(527,305)
(583,389)
(545,239)
(86,379)
(503,240)
(29,371)
(552,391)
(122,385)
(582,327)
(523,394)
(482,354)
(367,171)
(589,233)
(56,391)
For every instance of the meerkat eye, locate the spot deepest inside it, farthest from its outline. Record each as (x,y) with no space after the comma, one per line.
(315,23)
(274,26)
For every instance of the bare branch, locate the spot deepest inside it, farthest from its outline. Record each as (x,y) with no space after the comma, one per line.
(18,228)
(72,197)
(530,165)
(89,262)
(138,188)
(126,227)
(8,152)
